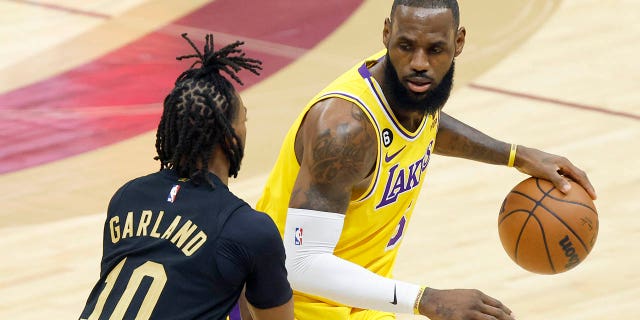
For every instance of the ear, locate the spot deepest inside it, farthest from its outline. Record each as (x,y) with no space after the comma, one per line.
(460,38)
(386,32)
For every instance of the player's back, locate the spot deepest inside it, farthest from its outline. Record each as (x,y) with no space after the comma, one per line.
(175,250)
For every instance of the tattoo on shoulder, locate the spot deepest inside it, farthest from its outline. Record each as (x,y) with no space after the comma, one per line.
(343,153)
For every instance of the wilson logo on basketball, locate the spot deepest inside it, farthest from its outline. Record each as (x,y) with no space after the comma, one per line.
(569,252)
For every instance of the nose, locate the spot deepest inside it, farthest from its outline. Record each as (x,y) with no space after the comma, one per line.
(420,61)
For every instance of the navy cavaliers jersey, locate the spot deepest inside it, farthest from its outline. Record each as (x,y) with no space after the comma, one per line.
(176,250)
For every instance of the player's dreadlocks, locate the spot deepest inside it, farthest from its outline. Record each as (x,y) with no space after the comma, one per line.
(199,111)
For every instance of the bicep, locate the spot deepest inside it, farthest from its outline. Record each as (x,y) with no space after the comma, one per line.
(267,285)
(282,312)
(250,252)
(339,146)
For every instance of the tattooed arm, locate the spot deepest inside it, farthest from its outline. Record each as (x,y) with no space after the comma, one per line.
(336,149)
(457,139)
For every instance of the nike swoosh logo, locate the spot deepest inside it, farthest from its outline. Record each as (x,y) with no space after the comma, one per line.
(388,158)
(395,297)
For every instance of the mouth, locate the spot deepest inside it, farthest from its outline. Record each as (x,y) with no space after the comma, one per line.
(419,85)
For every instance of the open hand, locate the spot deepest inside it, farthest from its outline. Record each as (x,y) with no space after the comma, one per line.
(551,167)
(462,304)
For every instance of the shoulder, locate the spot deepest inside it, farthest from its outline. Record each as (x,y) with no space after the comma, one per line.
(158,183)
(144,181)
(253,229)
(338,141)
(129,191)
(337,113)
(340,126)
(117,196)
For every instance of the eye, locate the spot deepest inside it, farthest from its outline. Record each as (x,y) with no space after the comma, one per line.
(405,46)
(436,50)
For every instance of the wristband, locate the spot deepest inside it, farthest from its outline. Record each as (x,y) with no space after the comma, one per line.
(512,155)
(416,304)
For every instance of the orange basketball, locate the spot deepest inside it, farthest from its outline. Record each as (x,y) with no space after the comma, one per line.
(544,230)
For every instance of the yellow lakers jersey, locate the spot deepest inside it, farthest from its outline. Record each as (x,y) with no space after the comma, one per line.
(375,222)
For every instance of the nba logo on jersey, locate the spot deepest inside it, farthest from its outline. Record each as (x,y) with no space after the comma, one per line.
(173,193)
(298,237)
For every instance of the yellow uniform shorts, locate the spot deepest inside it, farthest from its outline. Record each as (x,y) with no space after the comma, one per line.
(306,308)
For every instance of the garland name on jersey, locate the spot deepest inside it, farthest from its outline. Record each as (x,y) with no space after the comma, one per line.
(186,235)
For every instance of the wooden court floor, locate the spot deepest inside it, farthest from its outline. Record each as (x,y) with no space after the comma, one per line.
(556,75)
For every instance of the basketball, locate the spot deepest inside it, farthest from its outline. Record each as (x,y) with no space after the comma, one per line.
(544,230)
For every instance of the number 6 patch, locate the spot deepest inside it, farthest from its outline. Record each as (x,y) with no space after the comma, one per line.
(387,137)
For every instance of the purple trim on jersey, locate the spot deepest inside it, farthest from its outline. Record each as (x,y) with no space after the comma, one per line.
(366,74)
(364,71)
(364,106)
(381,100)
(235,313)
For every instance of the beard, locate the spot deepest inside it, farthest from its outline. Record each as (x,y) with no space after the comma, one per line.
(403,98)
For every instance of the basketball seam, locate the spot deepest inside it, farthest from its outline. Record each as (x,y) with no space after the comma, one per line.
(568,227)
(532,214)
(524,195)
(561,200)
(506,215)
(544,240)
(520,236)
(557,217)
(573,202)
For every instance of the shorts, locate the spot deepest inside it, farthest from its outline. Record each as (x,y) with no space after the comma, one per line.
(306,308)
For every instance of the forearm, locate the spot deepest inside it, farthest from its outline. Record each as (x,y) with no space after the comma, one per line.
(456,139)
(314,269)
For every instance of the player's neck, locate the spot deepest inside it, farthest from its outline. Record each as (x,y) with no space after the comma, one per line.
(410,119)
(219,165)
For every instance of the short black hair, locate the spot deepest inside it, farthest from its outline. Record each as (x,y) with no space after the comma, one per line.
(432,4)
(199,110)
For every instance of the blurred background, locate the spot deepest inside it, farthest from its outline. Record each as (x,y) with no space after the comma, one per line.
(81,94)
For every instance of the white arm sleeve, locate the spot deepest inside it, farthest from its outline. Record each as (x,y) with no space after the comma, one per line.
(309,240)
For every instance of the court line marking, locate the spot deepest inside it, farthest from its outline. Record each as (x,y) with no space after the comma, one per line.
(64,9)
(270,47)
(555,101)
(21,113)
(263,46)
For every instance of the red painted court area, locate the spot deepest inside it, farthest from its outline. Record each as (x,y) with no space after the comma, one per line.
(120,94)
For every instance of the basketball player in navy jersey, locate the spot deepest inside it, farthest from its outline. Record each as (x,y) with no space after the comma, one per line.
(177,243)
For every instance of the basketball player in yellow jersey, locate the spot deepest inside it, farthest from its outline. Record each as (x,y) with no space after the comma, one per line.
(346,181)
